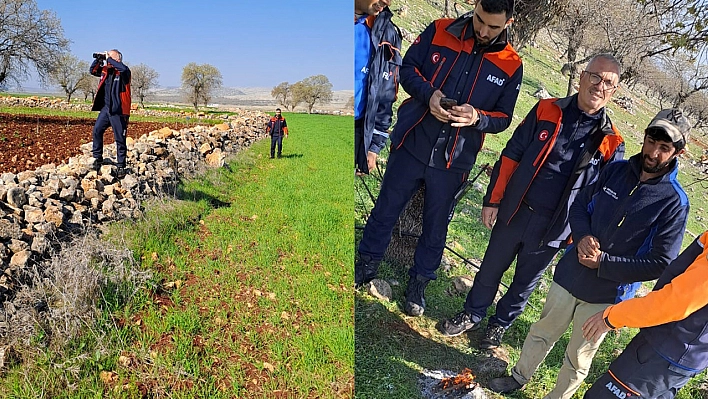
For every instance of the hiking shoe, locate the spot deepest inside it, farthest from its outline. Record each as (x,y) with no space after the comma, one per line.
(460,323)
(96,164)
(365,270)
(492,337)
(415,295)
(121,172)
(504,385)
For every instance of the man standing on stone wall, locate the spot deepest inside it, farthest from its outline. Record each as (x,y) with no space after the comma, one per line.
(113,101)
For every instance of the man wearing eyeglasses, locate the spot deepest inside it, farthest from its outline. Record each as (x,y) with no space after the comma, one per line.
(560,147)
(627,227)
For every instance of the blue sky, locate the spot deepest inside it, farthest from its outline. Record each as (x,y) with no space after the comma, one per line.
(253,43)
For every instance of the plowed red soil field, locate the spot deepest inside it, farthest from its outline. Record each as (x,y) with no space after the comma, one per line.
(29,141)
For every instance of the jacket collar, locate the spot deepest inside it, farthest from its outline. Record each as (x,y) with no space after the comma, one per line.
(458,26)
(605,122)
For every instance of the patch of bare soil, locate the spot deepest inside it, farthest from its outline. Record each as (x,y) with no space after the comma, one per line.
(29,141)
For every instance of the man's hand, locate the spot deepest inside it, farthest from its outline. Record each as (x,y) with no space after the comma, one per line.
(463,115)
(435,108)
(588,246)
(595,327)
(489,216)
(591,262)
(370,162)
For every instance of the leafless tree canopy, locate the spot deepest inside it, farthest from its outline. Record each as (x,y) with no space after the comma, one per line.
(68,73)
(312,90)
(88,86)
(142,79)
(28,37)
(199,83)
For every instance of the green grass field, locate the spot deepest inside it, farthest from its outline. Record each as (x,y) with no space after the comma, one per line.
(251,295)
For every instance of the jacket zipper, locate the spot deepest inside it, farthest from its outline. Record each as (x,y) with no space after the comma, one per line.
(457,133)
(630,194)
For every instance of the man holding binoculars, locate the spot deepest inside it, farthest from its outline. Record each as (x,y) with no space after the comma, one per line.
(113,101)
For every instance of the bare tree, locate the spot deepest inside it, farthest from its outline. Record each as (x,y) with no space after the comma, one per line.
(530,16)
(68,72)
(88,86)
(28,37)
(199,82)
(284,96)
(312,90)
(142,80)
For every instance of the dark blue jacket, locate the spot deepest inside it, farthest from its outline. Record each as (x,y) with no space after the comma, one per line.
(639,225)
(684,343)
(526,152)
(445,57)
(120,86)
(384,69)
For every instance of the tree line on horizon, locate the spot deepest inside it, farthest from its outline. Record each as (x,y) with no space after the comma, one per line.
(309,91)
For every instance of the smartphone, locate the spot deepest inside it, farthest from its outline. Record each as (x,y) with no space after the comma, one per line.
(447,103)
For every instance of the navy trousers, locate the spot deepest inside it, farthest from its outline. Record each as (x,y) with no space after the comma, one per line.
(403,177)
(119,123)
(519,239)
(639,372)
(276,139)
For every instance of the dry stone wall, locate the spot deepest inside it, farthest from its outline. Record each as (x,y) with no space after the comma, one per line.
(38,207)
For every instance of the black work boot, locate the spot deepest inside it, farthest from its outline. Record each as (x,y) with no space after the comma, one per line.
(365,270)
(415,296)
(458,324)
(504,385)
(492,337)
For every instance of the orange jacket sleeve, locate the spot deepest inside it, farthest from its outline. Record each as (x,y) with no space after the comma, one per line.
(683,295)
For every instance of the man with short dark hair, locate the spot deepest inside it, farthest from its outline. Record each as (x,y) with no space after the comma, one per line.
(559,148)
(470,61)
(377,60)
(627,227)
(277,127)
(113,101)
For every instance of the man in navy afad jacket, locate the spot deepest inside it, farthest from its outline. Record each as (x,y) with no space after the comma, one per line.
(277,127)
(377,61)
(627,227)
(672,346)
(113,101)
(559,148)
(469,61)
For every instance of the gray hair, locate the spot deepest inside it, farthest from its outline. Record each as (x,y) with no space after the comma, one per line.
(120,55)
(610,58)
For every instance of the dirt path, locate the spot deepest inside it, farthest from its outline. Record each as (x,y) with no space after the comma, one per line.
(29,141)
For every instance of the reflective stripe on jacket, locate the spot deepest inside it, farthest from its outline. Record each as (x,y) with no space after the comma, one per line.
(445,57)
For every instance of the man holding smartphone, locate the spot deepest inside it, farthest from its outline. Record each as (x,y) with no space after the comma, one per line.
(437,147)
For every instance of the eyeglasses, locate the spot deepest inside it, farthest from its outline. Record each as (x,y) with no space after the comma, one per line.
(597,79)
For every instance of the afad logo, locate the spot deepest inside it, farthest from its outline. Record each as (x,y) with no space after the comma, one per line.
(435,58)
(416,41)
(619,393)
(543,136)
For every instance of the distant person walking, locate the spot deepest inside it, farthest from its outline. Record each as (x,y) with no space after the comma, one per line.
(277,127)
(113,101)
